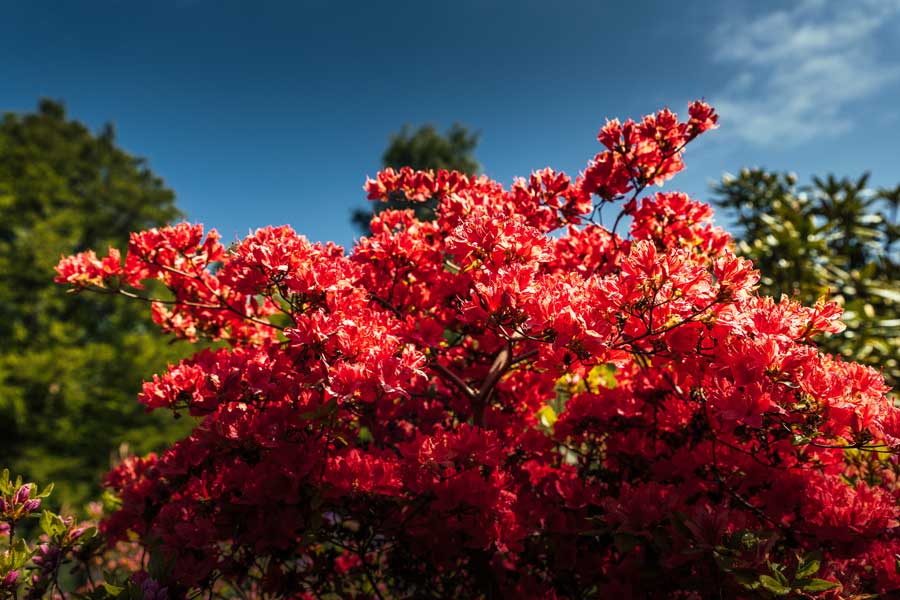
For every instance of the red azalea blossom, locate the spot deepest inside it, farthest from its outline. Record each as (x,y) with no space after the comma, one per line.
(512,401)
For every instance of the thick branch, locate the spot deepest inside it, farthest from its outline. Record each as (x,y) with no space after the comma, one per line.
(501,364)
(480,398)
(454,379)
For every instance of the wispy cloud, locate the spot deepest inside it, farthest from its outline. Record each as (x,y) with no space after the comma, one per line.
(800,71)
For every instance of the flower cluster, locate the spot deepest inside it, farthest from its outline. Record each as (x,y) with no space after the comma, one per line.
(513,400)
(35,570)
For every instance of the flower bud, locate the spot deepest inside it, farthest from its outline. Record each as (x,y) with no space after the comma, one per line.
(22,494)
(46,556)
(32,505)
(10,580)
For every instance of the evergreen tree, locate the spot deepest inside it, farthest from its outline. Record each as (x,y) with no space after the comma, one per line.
(70,367)
(835,237)
(423,149)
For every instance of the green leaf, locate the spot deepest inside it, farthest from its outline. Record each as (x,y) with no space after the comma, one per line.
(52,524)
(451,268)
(111,502)
(748,539)
(565,387)
(778,574)
(808,567)
(19,554)
(773,586)
(602,376)
(747,578)
(816,585)
(113,590)
(365,435)
(47,491)
(47,522)
(547,416)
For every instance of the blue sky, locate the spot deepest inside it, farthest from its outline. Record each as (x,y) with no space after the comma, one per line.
(266,112)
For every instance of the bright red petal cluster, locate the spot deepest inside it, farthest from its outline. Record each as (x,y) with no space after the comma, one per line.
(510,401)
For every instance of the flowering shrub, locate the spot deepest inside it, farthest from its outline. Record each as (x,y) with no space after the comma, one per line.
(62,559)
(511,401)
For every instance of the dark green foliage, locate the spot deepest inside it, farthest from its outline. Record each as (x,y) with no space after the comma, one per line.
(835,237)
(70,367)
(422,149)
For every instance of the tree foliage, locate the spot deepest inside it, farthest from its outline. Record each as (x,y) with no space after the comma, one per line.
(835,238)
(423,149)
(69,366)
(509,401)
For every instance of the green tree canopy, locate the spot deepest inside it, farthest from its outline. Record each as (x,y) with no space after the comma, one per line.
(422,149)
(70,367)
(835,237)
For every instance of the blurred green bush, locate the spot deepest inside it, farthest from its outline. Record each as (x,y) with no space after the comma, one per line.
(70,367)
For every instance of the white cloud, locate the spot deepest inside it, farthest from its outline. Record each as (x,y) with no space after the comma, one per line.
(798,71)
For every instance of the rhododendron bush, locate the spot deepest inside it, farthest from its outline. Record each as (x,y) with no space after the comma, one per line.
(510,401)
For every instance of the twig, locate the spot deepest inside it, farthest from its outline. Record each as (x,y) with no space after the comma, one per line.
(455,379)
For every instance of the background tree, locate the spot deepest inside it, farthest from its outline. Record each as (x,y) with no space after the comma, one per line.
(423,149)
(835,237)
(70,367)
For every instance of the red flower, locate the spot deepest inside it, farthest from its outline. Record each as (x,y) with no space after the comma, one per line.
(511,400)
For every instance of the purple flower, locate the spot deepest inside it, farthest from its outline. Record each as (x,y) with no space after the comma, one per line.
(22,494)
(10,580)
(46,557)
(150,588)
(78,532)
(153,591)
